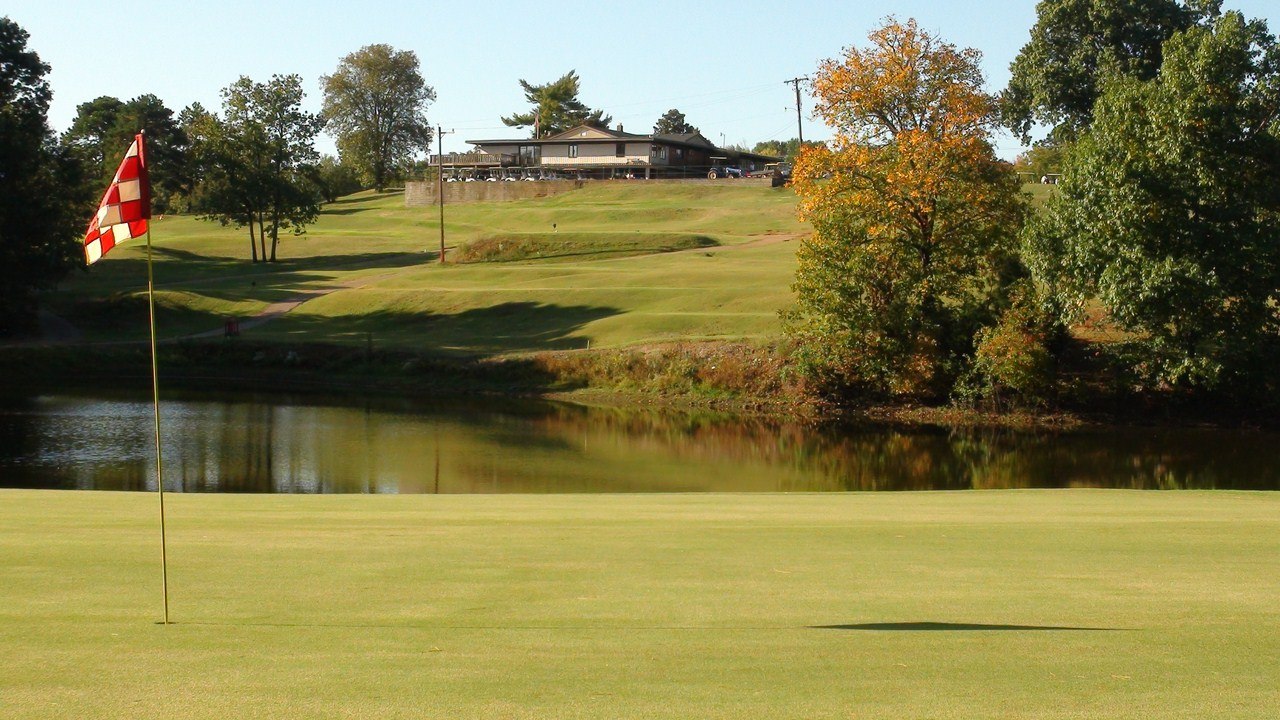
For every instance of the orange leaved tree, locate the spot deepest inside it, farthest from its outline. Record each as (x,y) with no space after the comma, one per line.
(914,218)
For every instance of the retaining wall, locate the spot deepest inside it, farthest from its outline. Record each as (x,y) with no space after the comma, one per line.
(423,193)
(419,194)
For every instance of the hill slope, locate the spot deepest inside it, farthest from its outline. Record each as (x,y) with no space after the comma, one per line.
(600,269)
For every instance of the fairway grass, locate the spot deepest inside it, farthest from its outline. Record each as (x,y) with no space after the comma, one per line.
(611,264)
(993,604)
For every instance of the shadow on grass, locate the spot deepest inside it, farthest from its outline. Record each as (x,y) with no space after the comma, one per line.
(181,269)
(212,268)
(955,627)
(477,332)
(113,304)
(364,198)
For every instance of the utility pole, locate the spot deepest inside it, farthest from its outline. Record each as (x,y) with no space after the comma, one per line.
(799,126)
(440,133)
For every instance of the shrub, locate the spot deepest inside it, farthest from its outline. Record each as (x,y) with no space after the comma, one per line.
(1012,364)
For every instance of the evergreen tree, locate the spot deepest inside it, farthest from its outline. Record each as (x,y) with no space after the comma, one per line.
(672,122)
(103,129)
(43,209)
(556,108)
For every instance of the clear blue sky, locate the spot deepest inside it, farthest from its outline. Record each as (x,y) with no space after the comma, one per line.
(722,63)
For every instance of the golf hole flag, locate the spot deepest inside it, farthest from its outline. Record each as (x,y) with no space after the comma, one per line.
(125,207)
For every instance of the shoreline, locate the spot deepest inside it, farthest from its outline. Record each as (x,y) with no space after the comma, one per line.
(628,378)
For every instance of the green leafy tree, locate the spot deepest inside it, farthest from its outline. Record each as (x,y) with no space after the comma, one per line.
(913,216)
(335,178)
(672,122)
(92,131)
(103,129)
(42,210)
(556,108)
(196,124)
(1042,159)
(1056,77)
(376,104)
(259,162)
(1169,210)
(785,149)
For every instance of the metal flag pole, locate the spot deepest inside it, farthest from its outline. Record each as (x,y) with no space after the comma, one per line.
(440,133)
(155,394)
(155,402)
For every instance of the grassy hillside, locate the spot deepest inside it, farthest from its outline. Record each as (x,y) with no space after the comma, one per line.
(1019,604)
(611,264)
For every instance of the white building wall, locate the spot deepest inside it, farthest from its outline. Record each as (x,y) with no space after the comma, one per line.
(596,154)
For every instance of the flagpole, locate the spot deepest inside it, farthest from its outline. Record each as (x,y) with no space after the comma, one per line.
(155,402)
(124,213)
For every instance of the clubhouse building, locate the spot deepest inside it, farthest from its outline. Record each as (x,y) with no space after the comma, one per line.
(586,152)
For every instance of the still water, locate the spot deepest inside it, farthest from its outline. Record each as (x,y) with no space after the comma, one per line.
(281,444)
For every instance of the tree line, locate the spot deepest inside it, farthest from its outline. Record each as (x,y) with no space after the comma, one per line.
(929,274)
(251,164)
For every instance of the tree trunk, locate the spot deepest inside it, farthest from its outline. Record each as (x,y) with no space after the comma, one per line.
(253,241)
(262,237)
(275,223)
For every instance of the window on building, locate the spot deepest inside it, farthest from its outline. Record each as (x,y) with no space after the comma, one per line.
(621,150)
(573,150)
(530,155)
(659,152)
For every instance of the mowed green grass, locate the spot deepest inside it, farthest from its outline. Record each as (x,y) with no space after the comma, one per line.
(369,268)
(376,261)
(992,604)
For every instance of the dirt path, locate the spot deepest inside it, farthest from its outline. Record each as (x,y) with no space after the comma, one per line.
(764,240)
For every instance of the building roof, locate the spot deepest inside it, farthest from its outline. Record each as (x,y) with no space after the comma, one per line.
(589,134)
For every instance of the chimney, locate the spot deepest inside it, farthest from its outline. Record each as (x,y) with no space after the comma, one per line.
(619,127)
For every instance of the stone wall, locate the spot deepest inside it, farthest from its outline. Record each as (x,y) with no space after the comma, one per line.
(420,194)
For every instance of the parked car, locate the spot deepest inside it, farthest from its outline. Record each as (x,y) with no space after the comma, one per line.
(724,171)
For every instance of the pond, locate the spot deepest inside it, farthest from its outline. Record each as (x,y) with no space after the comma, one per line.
(282,444)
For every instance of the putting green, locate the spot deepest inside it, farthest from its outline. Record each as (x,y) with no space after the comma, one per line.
(1009,604)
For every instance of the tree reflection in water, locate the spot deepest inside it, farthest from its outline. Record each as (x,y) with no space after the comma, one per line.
(329,445)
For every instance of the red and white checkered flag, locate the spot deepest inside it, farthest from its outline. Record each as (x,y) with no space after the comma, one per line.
(125,207)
